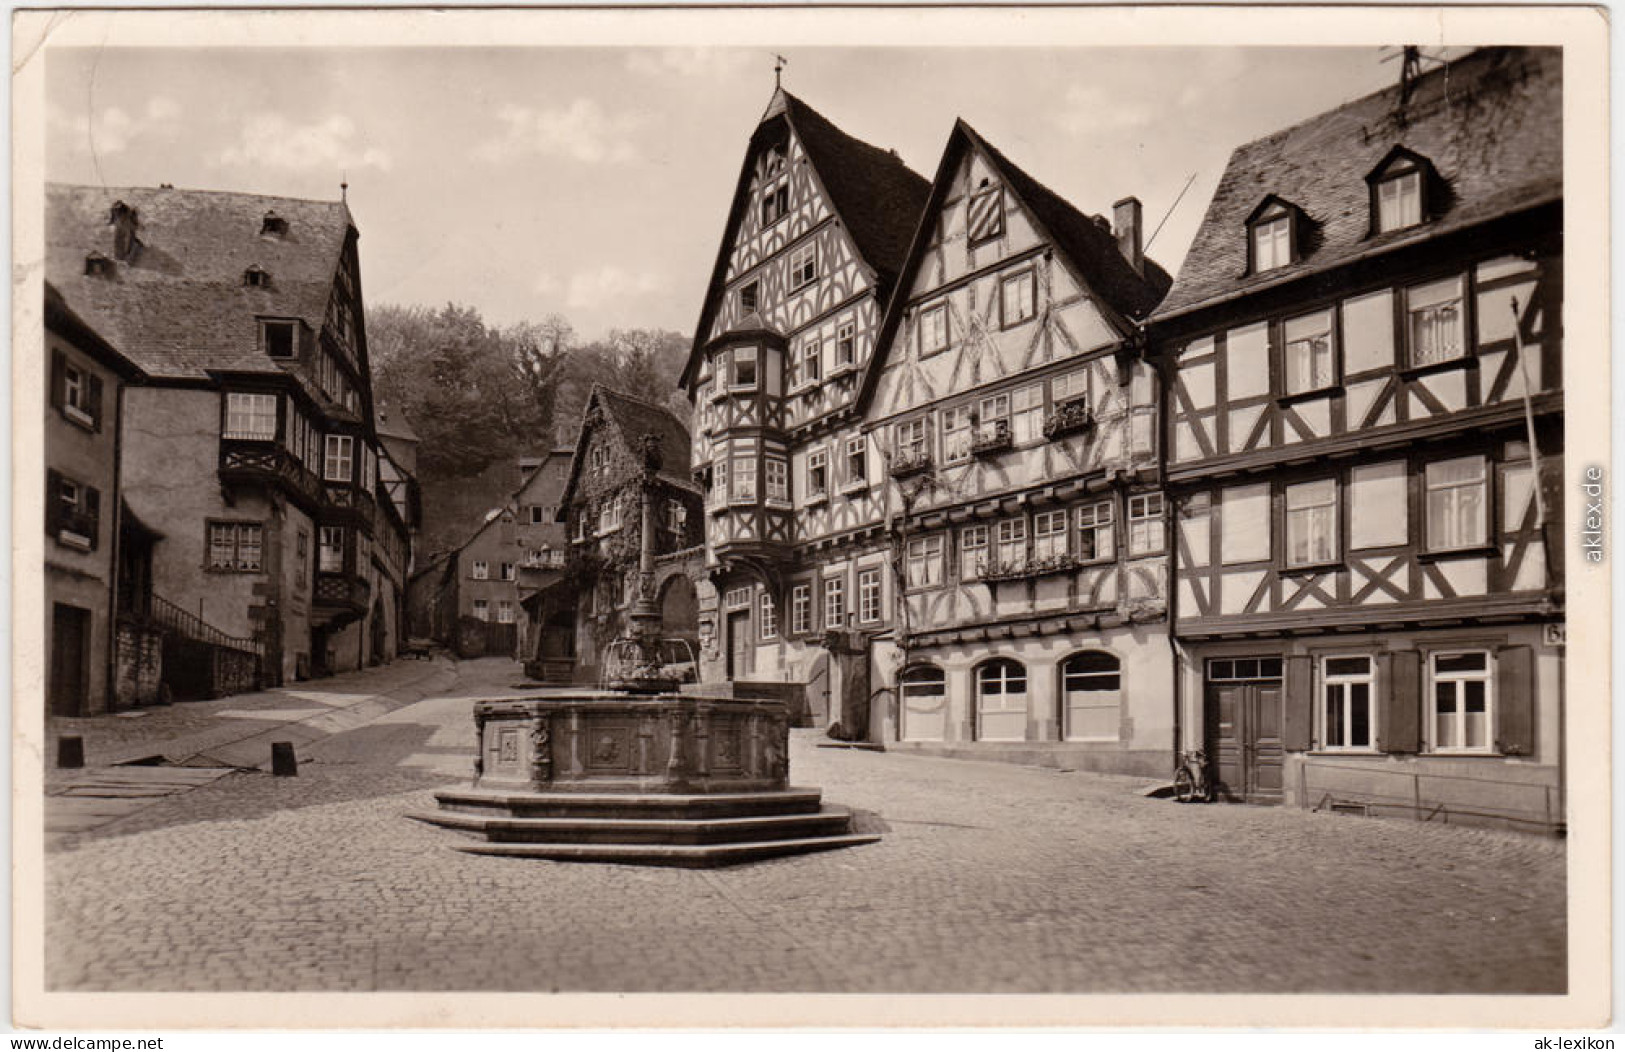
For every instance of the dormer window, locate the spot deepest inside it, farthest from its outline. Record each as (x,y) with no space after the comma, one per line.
(1399,197)
(273,225)
(279,337)
(1272,236)
(98,266)
(257,277)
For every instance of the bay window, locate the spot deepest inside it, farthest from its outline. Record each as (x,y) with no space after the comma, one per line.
(251,416)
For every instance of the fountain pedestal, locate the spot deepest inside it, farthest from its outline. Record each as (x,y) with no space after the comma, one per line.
(667,779)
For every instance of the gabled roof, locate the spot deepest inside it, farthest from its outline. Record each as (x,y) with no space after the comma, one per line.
(878,198)
(61,317)
(1490,124)
(630,419)
(1087,245)
(392,423)
(180,308)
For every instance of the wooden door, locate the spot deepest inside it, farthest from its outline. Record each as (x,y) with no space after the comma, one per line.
(70,660)
(739,648)
(1244,740)
(818,690)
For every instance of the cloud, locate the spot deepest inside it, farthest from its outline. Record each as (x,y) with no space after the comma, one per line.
(114,128)
(271,140)
(1086,108)
(689,61)
(581,131)
(608,285)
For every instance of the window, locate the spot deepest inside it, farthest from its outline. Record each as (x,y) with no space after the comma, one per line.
(538,515)
(857,461)
(1348,718)
(1027,413)
(1244,524)
(745,368)
(1012,540)
(812,360)
(1001,701)
(869,596)
(846,347)
(1070,387)
(748,297)
(1017,298)
(1434,322)
(801,609)
(676,516)
(972,552)
(330,549)
(923,568)
(719,482)
(744,476)
(597,461)
(985,219)
(1461,701)
(1308,354)
(911,441)
(769,615)
(479,570)
(1398,194)
(251,416)
(482,609)
(834,602)
(1457,504)
(803,267)
(778,479)
(736,599)
(280,338)
(609,515)
(1311,523)
(1145,527)
(994,414)
(1092,692)
(339,464)
(235,546)
(934,329)
(507,571)
(505,611)
(72,511)
(923,691)
(1272,238)
(1095,531)
(817,473)
(1049,536)
(956,434)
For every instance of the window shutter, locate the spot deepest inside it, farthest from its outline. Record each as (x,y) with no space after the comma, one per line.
(58,379)
(1515,700)
(53,501)
(1297,724)
(1399,730)
(93,513)
(95,400)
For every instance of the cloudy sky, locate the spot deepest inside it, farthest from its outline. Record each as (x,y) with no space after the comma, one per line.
(594,182)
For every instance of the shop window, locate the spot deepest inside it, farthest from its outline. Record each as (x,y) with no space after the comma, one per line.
(1001,701)
(1092,691)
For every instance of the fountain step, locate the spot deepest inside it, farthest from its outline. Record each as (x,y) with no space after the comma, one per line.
(632,805)
(827,822)
(692,856)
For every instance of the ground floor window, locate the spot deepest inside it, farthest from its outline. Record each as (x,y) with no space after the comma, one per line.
(1461,695)
(504,611)
(923,690)
(1347,691)
(482,609)
(1092,689)
(1001,701)
(236,546)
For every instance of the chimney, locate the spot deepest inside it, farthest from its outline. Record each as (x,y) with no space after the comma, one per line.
(124,221)
(1129,229)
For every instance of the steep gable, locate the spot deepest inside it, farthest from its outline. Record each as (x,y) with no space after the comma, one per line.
(624,422)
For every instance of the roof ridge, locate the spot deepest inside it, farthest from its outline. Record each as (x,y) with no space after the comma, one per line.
(633,398)
(193,190)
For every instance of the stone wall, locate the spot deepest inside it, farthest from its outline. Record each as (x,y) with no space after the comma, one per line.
(138,666)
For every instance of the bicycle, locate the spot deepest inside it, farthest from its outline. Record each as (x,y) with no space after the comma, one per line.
(1190,778)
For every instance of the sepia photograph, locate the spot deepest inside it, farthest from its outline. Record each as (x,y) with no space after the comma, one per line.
(825,502)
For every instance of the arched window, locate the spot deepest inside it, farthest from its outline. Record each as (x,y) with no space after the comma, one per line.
(1001,701)
(924,692)
(1092,693)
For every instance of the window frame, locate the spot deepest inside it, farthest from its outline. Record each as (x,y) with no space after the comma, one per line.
(1005,679)
(1094,528)
(1030,275)
(800,609)
(818,466)
(1058,525)
(927,553)
(871,595)
(1271,213)
(249,407)
(479,570)
(742,479)
(1334,353)
(291,325)
(983,544)
(1147,517)
(743,355)
(338,449)
(803,266)
(1484,483)
(846,344)
(856,448)
(776,477)
(1064,674)
(767,616)
(1326,680)
(1462,677)
(325,545)
(934,311)
(236,530)
(750,297)
(834,602)
(1310,563)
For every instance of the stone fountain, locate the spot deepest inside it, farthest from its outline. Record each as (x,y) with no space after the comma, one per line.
(638,772)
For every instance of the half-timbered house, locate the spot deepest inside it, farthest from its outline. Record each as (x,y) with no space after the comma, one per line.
(1017,421)
(818,227)
(1364,440)
(252,451)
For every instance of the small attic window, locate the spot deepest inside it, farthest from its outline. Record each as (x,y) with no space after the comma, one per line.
(1272,235)
(98,266)
(985,218)
(273,225)
(257,277)
(279,336)
(1399,191)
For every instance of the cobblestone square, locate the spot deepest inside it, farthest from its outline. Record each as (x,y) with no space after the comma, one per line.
(990,878)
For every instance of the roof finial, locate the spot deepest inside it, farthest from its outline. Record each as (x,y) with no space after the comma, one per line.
(779,62)
(344,187)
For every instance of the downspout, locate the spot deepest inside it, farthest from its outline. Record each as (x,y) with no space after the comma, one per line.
(117,501)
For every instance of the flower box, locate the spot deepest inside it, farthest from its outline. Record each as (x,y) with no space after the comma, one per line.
(991,439)
(1069,418)
(909,463)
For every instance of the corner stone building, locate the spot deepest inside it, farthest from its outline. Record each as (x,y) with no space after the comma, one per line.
(251,452)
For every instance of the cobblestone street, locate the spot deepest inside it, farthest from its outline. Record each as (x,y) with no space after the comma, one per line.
(989,878)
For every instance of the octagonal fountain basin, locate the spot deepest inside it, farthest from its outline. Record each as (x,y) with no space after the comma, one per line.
(661,779)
